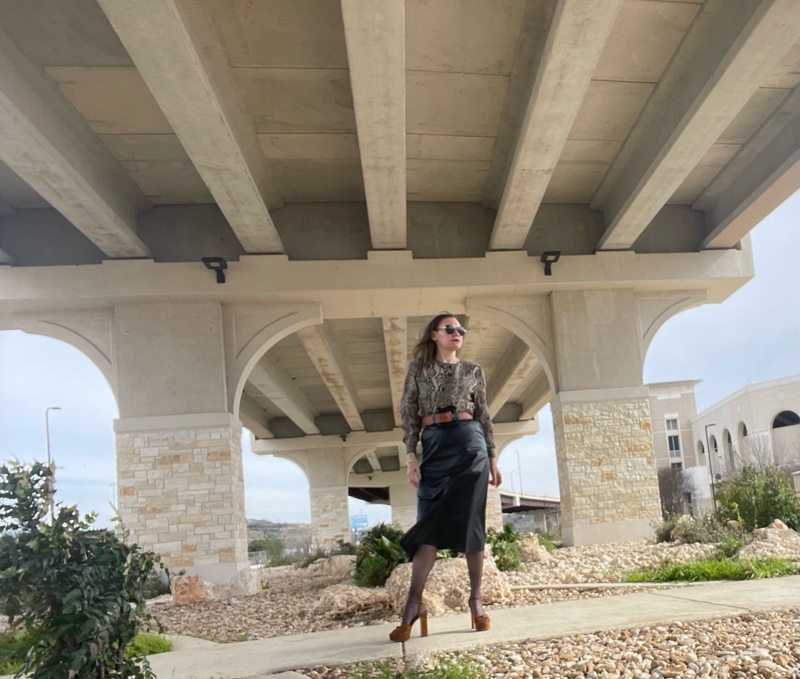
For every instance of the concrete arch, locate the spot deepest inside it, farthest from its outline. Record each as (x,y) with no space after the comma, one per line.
(529,318)
(784,418)
(728,449)
(713,445)
(701,449)
(654,312)
(88,346)
(252,331)
(741,432)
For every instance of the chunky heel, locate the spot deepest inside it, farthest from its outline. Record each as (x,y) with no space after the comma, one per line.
(403,632)
(480,623)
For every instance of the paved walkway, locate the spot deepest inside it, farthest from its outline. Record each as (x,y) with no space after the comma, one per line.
(197,659)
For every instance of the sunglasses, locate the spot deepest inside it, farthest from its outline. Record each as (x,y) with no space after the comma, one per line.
(450,329)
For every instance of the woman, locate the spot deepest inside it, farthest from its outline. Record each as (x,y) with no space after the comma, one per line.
(444,398)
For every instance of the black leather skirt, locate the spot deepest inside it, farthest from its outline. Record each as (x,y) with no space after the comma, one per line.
(451,498)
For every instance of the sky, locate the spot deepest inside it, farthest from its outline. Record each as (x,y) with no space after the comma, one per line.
(751,337)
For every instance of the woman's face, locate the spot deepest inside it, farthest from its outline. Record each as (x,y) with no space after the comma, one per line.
(447,343)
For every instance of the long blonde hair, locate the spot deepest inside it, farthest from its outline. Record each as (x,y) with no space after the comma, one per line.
(425,348)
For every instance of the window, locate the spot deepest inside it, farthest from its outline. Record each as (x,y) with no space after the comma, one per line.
(672,424)
(677,466)
(674,445)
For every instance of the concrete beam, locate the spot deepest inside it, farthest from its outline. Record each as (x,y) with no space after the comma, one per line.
(376,55)
(176,49)
(355,289)
(518,360)
(395,338)
(273,381)
(372,458)
(577,37)
(476,330)
(49,145)
(324,355)
(379,479)
(725,57)
(361,439)
(768,173)
(254,418)
(536,397)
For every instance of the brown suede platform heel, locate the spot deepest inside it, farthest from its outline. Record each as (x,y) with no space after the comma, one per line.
(403,632)
(480,623)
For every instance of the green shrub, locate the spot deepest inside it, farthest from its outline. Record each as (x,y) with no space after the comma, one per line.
(757,497)
(551,540)
(147,643)
(14,646)
(706,529)
(700,570)
(341,548)
(505,547)
(664,528)
(378,554)
(728,547)
(78,590)
(271,544)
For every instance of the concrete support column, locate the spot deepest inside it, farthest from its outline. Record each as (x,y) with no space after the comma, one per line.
(179,459)
(330,511)
(181,494)
(606,467)
(601,418)
(403,498)
(494,513)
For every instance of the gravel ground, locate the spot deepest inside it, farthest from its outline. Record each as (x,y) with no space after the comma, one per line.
(286,606)
(765,645)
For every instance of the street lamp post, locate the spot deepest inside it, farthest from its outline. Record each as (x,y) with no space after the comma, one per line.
(49,461)
(711,468)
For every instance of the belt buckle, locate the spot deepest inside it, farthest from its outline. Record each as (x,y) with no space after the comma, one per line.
(447,409)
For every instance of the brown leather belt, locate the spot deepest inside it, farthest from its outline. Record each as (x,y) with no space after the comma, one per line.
(442,418)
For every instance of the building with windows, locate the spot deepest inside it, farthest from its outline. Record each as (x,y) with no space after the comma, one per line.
(758,424)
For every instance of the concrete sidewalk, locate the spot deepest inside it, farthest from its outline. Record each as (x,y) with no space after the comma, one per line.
(544,621)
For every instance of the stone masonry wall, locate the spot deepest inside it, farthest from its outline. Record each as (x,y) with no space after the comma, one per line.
(330,517)
(404,516)
(181,494)
(494,513)
(606,466)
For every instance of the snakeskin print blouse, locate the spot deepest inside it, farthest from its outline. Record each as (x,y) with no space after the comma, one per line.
(446,384)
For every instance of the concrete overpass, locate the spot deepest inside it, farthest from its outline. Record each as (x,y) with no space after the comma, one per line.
(360,171)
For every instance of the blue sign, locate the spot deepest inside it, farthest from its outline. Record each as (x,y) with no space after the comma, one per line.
(358,521)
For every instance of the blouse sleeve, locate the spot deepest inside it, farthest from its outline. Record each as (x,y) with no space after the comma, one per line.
(409,409)
(482,412)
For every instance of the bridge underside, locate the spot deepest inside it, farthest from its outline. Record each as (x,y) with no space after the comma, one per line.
(360,172)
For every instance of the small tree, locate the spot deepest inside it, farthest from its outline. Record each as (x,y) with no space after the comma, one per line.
(758,496)
(761,451)
(77,589)
(672,487)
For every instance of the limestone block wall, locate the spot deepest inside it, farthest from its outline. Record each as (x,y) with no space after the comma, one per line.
(404,516)
(606,464)
(494,514)
(181,494)
(330,516)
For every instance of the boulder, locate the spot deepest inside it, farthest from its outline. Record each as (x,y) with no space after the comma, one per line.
(339,566)
(777,539)
(189,589)
(448,585)
(346,600)
(532,551)
(246,582)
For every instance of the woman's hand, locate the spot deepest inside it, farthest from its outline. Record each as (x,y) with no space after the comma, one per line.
(412,471)
(495,477)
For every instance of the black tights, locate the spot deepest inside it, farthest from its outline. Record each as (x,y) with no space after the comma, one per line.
(423,561)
